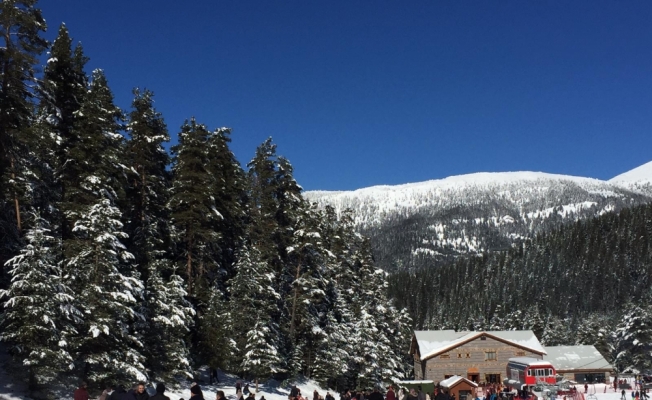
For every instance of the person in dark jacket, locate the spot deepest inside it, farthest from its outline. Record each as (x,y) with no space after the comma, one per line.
(329,396)
(412,395)
(375,395)
(141,393)
(440,395)
(294,391)
(160,389)
(196,393)
(220,395)
(246,389)
(119,393)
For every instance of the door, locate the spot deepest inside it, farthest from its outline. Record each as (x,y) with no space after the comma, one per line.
(473,377)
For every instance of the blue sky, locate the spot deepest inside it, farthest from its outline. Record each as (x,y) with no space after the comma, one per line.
(359,93)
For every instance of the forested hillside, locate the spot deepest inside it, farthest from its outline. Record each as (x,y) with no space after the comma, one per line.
(582,283)
(431,223)
(123,262)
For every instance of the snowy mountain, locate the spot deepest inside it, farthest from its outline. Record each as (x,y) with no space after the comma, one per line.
(639,179)
(425,223)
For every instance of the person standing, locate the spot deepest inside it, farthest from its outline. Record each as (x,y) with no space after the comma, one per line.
(82,392)
(375,395)
(421,395)
(141,393)
(390,394)
(196,393)
(160,389)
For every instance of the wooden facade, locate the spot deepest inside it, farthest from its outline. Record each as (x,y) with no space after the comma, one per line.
(482,359)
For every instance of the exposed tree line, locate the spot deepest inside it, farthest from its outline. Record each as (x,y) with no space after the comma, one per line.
(123,262)
(582,283)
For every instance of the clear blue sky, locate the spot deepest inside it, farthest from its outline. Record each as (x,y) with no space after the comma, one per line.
(358,93)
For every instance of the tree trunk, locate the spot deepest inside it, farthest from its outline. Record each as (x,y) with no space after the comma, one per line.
(189,260)
(16,201)
(294,300)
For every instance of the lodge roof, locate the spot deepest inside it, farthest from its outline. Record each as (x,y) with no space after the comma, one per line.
(432,343)
(577,358)
(454,380)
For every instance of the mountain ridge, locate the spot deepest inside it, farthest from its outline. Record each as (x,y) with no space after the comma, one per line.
(428,222)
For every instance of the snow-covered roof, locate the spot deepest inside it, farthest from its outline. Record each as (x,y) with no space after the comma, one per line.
(569,358)
(454,380)
(530,361)
(432,343)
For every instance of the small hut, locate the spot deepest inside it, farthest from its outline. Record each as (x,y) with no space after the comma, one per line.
(461,388)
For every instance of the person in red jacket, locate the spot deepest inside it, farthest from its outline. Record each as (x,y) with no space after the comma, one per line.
(82,392)
(390,394)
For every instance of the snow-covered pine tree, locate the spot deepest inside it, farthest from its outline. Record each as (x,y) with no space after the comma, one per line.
(21,24)
(216,346)
(106,281)
(168,318)
(370,354)
(252,297)
(168,315)
(38,309)
(229,192)
(192,204)
(633,340)
(62,91)
(106,291)
(261,358)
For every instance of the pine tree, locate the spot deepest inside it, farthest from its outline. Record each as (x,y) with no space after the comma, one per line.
(229,193)
(252,294)
(39,312)
(216,347)
(261,358)
(167,313)
(633,340)
(62,91)
(21,24)
(168,317)
(107,292)
(192,204)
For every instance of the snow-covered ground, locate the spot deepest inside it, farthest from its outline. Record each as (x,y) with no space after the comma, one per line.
(272,390)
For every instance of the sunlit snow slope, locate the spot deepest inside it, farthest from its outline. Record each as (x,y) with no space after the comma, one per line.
(422,224)
(639,179)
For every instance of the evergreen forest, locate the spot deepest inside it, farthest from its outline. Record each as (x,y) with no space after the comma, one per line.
(582,283)
(124,262)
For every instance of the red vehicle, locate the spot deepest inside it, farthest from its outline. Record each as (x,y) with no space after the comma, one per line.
(523,372)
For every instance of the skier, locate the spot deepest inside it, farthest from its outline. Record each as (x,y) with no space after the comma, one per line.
(82,392)
(160,389)
(246,389)
(622,395)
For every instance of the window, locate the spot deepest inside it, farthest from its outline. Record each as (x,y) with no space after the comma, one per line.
(483,338)
(445,356)
(549,372)
(468,355)
(490,356)
(459,355)
(529,372)
(520,353)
